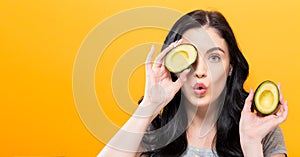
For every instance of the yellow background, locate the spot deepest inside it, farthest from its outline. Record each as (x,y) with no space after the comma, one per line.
(40,40)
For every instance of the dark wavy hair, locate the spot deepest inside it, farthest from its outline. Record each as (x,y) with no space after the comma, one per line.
(226,140)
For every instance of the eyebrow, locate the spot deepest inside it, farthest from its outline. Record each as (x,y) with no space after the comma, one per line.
(214,49)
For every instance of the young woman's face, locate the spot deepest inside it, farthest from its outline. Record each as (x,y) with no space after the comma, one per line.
(209,73)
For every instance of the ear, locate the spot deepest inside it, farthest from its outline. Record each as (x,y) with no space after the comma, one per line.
(230,70)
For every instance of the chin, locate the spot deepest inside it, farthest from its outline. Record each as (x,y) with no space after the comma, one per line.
(200,102)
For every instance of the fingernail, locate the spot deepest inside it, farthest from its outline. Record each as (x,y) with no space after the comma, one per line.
(152,47)
(188,70)
(177,43)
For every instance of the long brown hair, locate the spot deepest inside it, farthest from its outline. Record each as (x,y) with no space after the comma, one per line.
(226,141)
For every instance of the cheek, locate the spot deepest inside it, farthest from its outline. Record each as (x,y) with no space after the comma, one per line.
(186,87)
(218,71)
(185,91)
(218,76)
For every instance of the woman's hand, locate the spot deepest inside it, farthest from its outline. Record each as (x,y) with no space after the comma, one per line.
(254,128)
(160,88)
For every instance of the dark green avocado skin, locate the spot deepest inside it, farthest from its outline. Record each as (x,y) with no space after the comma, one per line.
(253,106)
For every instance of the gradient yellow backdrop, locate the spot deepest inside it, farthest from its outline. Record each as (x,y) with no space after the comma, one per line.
(40,41)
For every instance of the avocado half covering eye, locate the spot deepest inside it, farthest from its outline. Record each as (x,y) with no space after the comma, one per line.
(266,98)
(181,57)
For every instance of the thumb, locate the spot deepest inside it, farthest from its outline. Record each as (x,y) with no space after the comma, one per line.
(248,101)
(181,79)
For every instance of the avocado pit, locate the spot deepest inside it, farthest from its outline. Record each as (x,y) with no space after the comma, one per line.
(266,98)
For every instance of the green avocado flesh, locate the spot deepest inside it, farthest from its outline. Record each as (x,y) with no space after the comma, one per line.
(266,98)
(181,57)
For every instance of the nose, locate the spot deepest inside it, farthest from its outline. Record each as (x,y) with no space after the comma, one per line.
(200,68)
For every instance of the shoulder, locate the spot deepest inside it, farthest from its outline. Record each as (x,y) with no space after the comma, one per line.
(274,143)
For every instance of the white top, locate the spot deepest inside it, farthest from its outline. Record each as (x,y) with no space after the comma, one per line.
(199,152)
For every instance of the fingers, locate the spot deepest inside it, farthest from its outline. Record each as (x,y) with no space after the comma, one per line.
(281,99)
(279,117)
(159,59)
(150,54)
(284,111)
(181,79)
(248,101)
(149,60)
(282,102)
(282,114)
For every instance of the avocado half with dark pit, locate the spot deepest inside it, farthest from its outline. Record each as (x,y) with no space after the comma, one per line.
(181,57)
(266,98)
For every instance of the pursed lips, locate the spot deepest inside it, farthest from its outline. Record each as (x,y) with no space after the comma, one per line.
(199,89)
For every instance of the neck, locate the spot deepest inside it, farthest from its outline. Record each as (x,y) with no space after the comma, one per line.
(202,122)
(201,128)
(202,119)
(196,115)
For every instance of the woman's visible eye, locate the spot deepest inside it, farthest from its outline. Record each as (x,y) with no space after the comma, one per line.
(214,58)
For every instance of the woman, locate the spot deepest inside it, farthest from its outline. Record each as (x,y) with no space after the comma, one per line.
(205,110)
